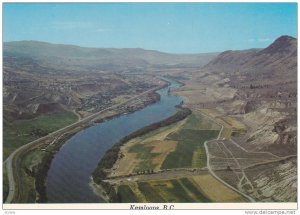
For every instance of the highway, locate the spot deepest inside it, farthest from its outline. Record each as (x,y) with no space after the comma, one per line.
(13,156)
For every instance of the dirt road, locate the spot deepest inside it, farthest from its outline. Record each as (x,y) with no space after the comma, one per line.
(223,134)
(215,176)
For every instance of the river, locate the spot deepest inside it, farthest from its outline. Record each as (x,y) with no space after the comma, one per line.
(71,168)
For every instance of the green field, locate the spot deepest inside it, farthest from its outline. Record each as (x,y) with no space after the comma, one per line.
(180,190)
(33,158)
(144,155)
(189,152)
(28,192)
(189,141)
(150,192)
(157,131)
(189,137)
(185,182)
(5,184)
(126,195)
(21,132)
(198,121)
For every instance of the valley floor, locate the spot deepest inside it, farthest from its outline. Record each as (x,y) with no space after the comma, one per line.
(170,165)
(237,150)
(28,162)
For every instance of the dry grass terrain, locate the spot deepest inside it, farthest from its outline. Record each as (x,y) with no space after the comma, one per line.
(215,190)
(252,94)
(187,182)
(156,143)
(239,143)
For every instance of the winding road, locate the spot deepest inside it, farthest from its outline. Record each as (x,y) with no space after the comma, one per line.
(208,160)
(213,173)
(221,139)
(13,156)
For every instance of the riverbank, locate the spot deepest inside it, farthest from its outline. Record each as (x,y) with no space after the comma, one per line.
(37,179)
(127,109)
(98,190)
(92,143)
(43,167)
(112,155)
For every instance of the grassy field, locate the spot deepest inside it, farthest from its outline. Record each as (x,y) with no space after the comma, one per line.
(24,131)
(126,195)
(143,153)
(5,184)
(175,146)
(161,133)
(29,194)
(232,126)
(178,146)
(202,188)
(190,138)
(33,158)
(150,192)
(152,142)
(189,142)
(215,190)
(25,194)
(197,121)
(176,190)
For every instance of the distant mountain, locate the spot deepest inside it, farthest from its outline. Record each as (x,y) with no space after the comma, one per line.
(280,55)
(100,58)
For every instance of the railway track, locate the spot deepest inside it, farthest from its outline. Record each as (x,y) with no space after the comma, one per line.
(13,170)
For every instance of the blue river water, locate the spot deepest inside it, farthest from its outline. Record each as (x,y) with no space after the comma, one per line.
(70,171)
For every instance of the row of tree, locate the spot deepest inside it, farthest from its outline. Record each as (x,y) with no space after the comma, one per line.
(111,156)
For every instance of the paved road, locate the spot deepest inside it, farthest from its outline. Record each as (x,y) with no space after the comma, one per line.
(9,161)
(174,173)
(159,175)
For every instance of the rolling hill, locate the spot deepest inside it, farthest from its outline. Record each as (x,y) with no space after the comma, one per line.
(107,59)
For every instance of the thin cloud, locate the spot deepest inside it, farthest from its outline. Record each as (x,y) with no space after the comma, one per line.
(69,25)
(262,40)
(259,40)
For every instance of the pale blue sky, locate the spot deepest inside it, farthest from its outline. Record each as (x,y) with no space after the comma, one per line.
(168,27)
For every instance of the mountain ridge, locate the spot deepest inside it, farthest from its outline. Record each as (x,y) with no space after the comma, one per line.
(71,55)
(283,51)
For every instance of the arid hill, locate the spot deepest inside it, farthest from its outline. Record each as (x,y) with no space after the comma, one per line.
(107,59)
(45,83)
(258,88)
(74,77)
(265,78)
(252,92)
(281,54)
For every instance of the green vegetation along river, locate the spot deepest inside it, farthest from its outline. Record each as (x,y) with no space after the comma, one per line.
(70,171)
